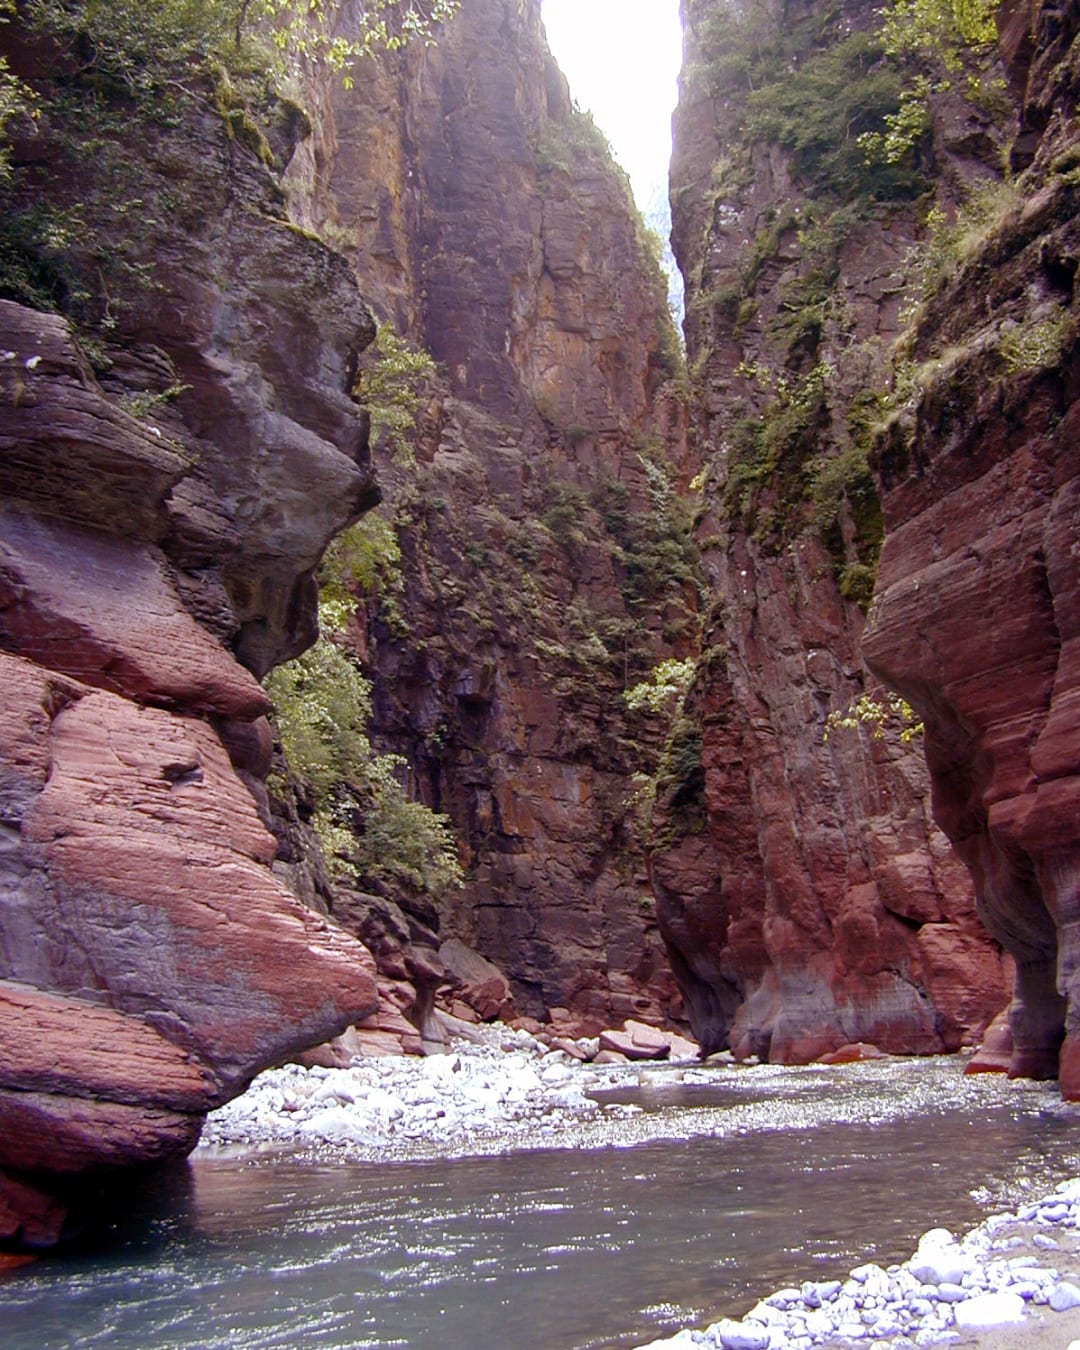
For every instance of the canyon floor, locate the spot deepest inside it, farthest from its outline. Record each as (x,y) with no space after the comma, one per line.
(504,1091)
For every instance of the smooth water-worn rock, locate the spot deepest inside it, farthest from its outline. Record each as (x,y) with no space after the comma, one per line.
(977,616)
(152,567)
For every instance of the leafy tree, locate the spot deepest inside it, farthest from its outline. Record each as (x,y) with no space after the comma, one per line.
(666,683)
(943,36)
(946,29)
(390,385)
(16,99)
(129,32)
(876,714)
(368,827)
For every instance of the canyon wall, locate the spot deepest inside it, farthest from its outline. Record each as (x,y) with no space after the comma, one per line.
(976,615)
(806,895)
(546,563)
(163,511)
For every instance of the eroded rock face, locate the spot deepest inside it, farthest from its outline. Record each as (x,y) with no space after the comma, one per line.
(806,896)
(488,224)
(977,616)
(150,961)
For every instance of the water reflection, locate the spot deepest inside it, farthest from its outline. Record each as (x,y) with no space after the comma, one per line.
(554,1249)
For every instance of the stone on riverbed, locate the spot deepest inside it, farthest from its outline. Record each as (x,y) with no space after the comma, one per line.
(947,1288)
(1065,1295)
(741,1336)
(990,1310)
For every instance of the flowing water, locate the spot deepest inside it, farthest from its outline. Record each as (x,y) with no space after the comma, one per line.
(712,1195)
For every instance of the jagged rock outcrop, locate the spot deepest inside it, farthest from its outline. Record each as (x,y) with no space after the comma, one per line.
(543,570)
(805,895)
(161,520)
(977,615)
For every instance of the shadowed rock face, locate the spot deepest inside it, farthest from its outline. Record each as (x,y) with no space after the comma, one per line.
(150,569)
(805,895)
(487,222)
(977,616)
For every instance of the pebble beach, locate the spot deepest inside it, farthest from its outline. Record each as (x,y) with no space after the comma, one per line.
(1011,1283)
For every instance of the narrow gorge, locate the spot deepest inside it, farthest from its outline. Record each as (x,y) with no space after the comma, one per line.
(722,683)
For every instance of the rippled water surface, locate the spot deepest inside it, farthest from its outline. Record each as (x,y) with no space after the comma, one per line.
(713,1195)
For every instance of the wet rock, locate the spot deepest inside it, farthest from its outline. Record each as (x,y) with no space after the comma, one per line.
(995,1053)
(637,1041)
(990,1310)
(1064,1296)
(853,1054)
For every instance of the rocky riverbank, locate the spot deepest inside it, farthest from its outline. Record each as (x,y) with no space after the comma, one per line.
(500,1087)
(1011,1282)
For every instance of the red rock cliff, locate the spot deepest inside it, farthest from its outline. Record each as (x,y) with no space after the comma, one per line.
(977,616)
(161,518)
(543,569)
(805,894)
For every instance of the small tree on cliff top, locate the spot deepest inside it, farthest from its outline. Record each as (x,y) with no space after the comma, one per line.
(134,32)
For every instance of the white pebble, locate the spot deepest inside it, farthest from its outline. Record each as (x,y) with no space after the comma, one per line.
(1064,1296)
(742,1335)
(990,1310)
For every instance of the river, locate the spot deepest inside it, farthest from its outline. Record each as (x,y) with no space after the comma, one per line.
(709,1197)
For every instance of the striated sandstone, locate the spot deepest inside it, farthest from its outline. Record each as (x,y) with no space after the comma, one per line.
(977,617)
(806,896)
(152,567)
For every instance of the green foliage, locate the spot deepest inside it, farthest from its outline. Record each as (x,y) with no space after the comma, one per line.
(819,111)
(390,384)
(876,715)
(807,301)
(655,551)
(941,37)
(130,40)
(368,827)
(146,403)
(946,29)
(403,841)
(744,44)
(855,582)
(666,683)
(323,705)
(564,517)
(903,129)
(948,243)
(835,480)
(680,777)
(17,101)
(771,449)
(561,144)
(1037,345)
(365,559)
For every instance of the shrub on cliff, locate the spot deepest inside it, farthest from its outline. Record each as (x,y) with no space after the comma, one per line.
(133,36)
(369,829)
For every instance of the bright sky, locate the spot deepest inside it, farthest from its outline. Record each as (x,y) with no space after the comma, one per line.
(622,59)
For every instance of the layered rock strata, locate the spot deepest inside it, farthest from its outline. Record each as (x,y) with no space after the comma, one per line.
(161,519)
(977,610)
(806,896)
(539,578)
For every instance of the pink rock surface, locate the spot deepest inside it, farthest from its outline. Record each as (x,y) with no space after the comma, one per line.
(150,962)
(977,616)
